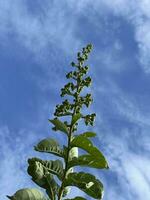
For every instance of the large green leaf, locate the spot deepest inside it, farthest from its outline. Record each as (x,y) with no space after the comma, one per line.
(28,194)
(54,167)
(89,161)
(37,171)
(43,178)
(59,125)
(87,183)
(49,145)
(85,144)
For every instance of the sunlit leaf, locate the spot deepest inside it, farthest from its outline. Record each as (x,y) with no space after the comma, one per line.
(87,183)
(85,144)
(49,145)
(89,161)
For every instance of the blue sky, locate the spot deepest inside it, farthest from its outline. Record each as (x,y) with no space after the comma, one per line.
(38,40)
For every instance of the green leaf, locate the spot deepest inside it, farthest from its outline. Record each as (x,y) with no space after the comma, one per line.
(54,167)
(76,118)
(89,134)
(43,178)
(85,144)
(59,125)
(49,145)
(87,160)
(87,183)
(53,188)
(37,171)
(28,194)
(77,198)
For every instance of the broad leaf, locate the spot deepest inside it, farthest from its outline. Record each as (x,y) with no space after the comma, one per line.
(37,171)
(89,161)
(87,183)
(76,118)
(59,125)
(54,167)
(77,198)
(28,194)
(49,145)
(85,144)
(43,178)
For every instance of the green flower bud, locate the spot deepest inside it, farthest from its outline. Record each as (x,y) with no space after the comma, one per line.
(78,54)
(73,64)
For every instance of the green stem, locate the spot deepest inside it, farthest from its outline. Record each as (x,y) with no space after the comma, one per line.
(68,147)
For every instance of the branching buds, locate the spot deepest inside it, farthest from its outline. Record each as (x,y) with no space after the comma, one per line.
(89,119)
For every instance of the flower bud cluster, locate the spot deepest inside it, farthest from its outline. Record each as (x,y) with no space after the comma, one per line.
(87,81)
(89,119)
(78,74)
(67,90)
(86,100)
(84,56)
(74,88)
(64,109)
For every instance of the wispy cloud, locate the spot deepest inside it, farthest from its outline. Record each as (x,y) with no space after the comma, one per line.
(137,14)
(127,149)
(126,105)
(49,28)
(13,155)
(130,169)
(54,25)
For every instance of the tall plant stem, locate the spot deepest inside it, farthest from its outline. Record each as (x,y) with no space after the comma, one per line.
(68,146)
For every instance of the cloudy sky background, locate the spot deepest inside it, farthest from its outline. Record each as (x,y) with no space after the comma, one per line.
(38,40)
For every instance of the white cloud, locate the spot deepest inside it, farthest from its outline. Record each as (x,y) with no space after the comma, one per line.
(131,170)
(127,150)
(51,28)
(136,13)
(56,23)
(126,105)
(14,154)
